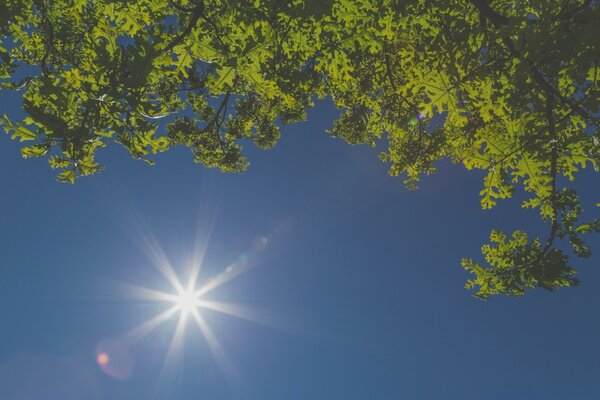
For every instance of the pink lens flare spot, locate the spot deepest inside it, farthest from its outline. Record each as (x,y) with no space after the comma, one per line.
(102,359)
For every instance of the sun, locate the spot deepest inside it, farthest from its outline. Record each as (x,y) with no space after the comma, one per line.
(186,301)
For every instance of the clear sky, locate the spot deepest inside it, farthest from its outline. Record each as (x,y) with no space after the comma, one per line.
(354,281)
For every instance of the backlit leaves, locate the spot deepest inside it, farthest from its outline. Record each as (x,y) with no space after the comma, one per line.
(518,264)
(514,95)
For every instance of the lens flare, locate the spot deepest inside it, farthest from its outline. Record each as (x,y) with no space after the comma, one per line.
(102,359)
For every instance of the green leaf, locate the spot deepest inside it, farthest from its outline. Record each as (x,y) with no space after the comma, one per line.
(67,176)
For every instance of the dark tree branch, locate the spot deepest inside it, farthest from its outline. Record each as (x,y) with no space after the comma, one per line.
(47,26)
(539,78)
(553,174)
(569,13)
(196,14)
(219,116)
(499,21)
(390,75)
(555,225)
(180,7)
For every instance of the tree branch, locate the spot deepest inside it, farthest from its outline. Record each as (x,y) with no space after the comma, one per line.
(499,21)
(569,13)
(553,173)
(196,14)
(390,76)
(222,109)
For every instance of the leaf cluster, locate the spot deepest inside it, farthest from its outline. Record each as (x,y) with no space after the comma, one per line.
(507,88)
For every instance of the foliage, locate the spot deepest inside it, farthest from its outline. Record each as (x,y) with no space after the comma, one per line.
(510,88)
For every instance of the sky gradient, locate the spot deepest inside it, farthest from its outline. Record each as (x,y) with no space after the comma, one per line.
(356,279)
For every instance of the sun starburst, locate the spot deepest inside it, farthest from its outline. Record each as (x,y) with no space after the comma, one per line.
(185,304)
(186,300)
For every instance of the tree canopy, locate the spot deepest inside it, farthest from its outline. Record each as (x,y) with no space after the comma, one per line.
(506,87)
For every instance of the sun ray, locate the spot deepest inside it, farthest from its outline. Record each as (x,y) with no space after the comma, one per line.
(269,319)
(169,368)
(166,269)
(198,255)
(232,271)
(143,293)
(155,254)
(217,350)
(206,220)
(195,271)
(177,340)
(145,328)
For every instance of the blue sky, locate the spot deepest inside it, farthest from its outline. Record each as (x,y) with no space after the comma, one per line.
(358,285)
